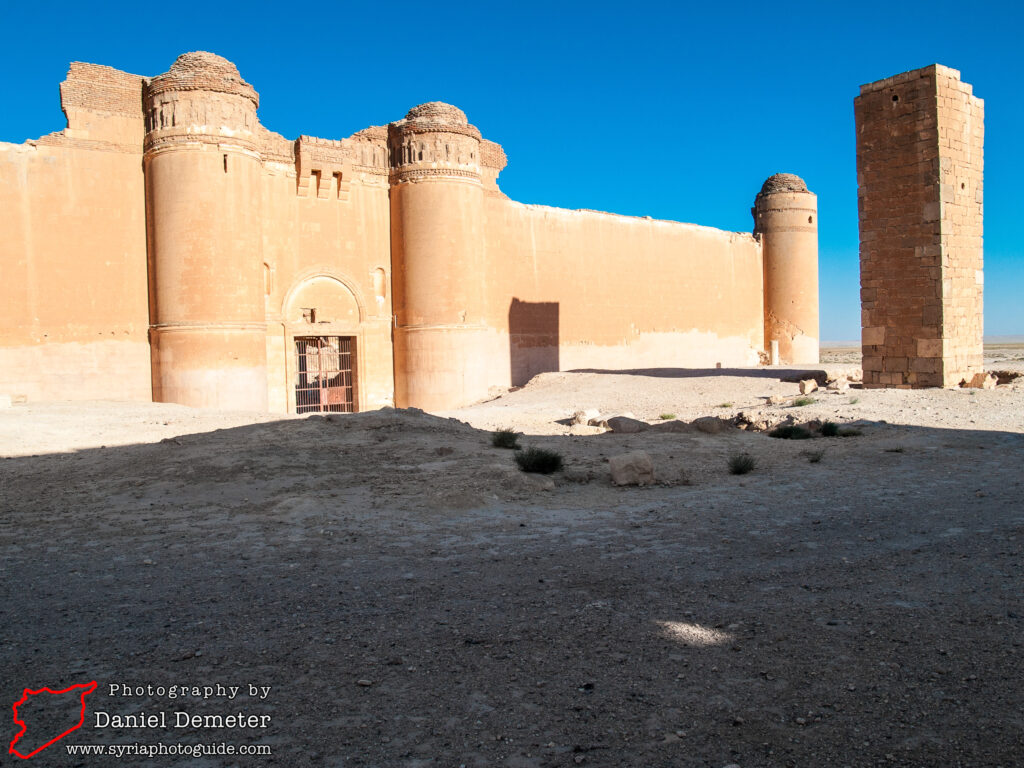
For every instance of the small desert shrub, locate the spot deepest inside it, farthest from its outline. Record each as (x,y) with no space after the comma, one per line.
(854,400)
(724,405)
(539,460)
(667,416)
(813,456)
(790,432)
(741,463)
(505,438)
(829,429)
(850,432)
(801,401)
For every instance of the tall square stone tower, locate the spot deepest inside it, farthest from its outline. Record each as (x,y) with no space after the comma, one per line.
(919,176)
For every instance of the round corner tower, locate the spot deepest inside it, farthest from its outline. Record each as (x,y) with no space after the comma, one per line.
(437,258)
(203,181)
(786,222)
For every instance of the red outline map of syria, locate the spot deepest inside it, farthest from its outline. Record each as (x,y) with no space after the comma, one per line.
(85,688)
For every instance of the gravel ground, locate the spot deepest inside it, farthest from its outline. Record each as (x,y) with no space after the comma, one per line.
(412,599)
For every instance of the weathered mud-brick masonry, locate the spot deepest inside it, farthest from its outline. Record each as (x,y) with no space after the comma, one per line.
(919,168)
(167,246)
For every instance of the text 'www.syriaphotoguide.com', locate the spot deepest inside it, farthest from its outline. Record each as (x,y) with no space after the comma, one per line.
(158,750)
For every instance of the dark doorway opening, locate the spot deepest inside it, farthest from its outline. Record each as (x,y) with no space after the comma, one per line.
(325,380)
(532,339)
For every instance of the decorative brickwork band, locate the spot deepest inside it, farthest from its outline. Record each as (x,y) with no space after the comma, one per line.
(434,140)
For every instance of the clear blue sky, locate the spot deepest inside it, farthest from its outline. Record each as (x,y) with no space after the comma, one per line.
(644,108)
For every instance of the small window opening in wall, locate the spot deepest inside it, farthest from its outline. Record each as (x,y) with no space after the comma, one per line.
(225,163)
(337,184)
(309,314)
(962,185)
(810,219)
(895,98)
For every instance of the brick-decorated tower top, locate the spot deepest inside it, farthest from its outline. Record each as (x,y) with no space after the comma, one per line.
(437,116)
(434,140)
(203,71)
(783,182)
(782,192)
(201,98)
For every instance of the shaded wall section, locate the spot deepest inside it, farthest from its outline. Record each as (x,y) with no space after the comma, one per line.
(74,319)
(532,339)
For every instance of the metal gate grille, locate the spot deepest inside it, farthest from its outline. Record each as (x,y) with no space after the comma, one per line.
(324,366)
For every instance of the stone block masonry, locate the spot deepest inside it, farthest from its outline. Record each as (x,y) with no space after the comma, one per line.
(919,175)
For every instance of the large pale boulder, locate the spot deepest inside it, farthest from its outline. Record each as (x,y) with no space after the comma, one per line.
(635,468)
(711,425)
(840,385)
(807,386)
(626,425)
(672,426)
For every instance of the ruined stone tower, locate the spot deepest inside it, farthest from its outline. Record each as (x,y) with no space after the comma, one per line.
(786,220)
(437,253)
(203,184)
(919,176)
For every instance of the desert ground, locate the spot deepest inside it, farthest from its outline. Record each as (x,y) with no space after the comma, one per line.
(413,599)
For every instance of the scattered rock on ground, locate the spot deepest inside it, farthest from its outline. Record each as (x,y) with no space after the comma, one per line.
(711,425)
(585,416)
(807,386)
(759,421)
(626,425)
(675,425)
(634,468)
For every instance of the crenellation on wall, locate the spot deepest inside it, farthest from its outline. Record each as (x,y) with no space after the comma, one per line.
(326,168)
(323,168)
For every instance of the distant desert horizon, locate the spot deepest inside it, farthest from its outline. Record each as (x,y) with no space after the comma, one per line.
(989,340)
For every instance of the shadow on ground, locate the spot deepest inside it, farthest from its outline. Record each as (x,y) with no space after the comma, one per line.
(761,372)
(860,610)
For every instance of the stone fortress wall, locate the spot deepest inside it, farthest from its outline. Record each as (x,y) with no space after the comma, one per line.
(166,245)
(74,311)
